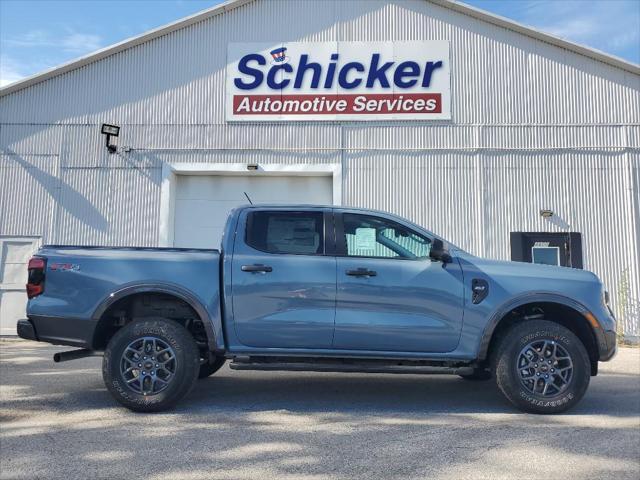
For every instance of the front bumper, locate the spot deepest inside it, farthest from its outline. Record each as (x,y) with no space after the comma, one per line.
(606,336)
(609,347)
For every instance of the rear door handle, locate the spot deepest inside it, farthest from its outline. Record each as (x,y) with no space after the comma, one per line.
(362,272)
(256,268)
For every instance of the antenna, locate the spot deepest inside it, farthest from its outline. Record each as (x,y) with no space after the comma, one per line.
(245,194)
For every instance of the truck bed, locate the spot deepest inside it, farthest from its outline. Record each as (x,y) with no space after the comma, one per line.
(134,249)
(81,282)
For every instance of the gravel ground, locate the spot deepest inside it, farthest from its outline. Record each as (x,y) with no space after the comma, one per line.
(58,421)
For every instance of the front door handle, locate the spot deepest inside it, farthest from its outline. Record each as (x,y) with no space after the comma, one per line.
(257,267)
(362,272)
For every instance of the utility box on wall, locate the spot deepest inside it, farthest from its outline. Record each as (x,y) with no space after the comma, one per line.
(550,248)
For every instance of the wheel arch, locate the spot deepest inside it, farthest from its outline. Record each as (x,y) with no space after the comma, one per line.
(568,312)
(170,290)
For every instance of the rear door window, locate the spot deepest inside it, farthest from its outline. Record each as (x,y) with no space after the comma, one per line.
(297,233)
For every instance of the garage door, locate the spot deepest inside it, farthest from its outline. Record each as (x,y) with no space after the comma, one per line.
(203,201)
(14,256)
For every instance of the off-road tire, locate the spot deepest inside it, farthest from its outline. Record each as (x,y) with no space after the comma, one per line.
(187,364)
(209,368)
(507,372)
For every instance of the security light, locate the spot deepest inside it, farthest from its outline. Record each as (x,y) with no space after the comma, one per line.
(546,213)
(252,166)
(110,131)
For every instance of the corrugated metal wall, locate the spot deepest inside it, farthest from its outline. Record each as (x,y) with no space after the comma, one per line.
(534,126)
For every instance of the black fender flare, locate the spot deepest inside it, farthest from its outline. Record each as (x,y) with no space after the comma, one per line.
(169,289)
(500,312)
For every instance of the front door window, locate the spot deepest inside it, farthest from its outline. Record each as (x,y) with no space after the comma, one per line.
(374,237)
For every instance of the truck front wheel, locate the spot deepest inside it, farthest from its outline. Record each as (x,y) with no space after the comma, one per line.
(150,364)
(542,367)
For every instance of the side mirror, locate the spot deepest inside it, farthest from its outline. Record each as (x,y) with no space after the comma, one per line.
(438,253)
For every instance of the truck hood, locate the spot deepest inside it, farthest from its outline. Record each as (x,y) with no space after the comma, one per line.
(533,271)
(509,280)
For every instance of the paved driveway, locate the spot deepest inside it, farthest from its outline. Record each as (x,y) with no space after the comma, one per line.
(58,421)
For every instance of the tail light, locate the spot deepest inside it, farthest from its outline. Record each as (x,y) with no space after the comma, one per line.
(35,283)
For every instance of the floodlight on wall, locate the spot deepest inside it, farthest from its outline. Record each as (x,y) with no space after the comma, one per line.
(546,213)
(110,131)
(252,166)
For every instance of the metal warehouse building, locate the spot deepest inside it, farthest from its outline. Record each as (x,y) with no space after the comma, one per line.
(514,145)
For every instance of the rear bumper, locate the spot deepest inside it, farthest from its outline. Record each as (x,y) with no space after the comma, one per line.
(75,332)
(26,330)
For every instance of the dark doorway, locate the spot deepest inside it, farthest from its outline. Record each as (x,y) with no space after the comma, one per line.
(559,248)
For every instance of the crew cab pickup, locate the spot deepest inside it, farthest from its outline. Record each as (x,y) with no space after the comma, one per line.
(320,289)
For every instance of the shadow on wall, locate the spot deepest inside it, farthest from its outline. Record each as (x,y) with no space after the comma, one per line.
(74,202)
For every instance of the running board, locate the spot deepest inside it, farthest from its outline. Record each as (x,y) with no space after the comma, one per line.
(349,367)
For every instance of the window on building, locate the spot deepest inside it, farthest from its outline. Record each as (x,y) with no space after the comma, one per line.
(298,233)
(545,255)
(368,236)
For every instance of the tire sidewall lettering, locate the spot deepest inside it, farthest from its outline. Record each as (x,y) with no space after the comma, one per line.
(508,376)
(186,356)
(555,336)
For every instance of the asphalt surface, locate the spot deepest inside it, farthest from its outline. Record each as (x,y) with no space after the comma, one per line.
(58,421)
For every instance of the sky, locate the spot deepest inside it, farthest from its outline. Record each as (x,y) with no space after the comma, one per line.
(36,35)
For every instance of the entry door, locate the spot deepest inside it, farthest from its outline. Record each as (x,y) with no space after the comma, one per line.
(550,248)
(391,296)
(14,256)
(283,283)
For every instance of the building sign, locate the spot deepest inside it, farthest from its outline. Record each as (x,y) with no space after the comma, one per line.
(336,81)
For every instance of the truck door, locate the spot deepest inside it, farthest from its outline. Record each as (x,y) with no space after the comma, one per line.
(391,296)
(283,282)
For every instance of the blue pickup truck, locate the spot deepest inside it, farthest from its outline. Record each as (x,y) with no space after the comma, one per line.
(320,288)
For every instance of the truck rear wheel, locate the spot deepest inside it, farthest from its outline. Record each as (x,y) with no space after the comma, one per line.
(150,364)
(542,367)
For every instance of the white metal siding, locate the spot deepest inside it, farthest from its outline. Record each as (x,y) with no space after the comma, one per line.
(533,126)
(28,192)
